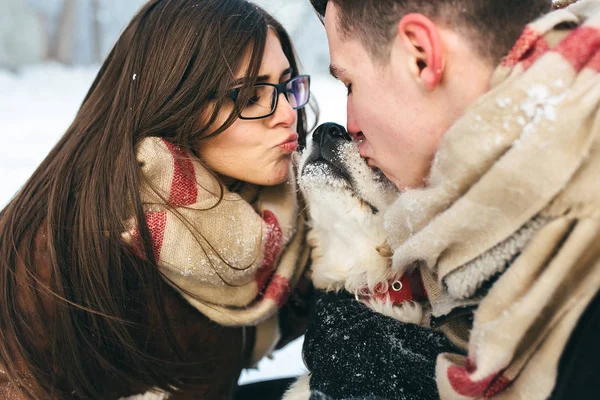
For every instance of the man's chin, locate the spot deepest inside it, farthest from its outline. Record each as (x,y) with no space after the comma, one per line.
(373,165)
(401,186)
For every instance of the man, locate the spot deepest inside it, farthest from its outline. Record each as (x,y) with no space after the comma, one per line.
(488,124)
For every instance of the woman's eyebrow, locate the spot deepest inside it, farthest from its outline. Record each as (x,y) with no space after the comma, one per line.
(261,78)
(287,71)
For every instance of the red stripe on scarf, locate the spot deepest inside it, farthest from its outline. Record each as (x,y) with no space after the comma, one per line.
(271,249)
(184,188)
(539,48)
(499,384)
(526,41)
(157,221)
(463,385)
(278,290)
(580,48)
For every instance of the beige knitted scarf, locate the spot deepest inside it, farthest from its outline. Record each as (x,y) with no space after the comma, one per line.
(235,260)
(514,189)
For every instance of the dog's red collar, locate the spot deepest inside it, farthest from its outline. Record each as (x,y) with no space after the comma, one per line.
(409,287)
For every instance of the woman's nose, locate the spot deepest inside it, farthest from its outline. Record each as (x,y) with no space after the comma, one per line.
(284,112)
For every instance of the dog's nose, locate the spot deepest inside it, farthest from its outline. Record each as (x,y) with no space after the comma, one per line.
(328,131)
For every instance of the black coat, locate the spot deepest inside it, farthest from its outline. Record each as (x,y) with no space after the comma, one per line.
(355,353)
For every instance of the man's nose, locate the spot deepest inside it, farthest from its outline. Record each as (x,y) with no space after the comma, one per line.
(329,131)
(353,127)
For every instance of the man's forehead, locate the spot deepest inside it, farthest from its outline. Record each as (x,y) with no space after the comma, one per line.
(331,12)
(331,22)
(337,43)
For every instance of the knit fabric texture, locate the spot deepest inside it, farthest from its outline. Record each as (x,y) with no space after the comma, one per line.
(514,194)
(235,256)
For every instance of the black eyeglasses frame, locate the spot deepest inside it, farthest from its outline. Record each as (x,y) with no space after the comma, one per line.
(280,88)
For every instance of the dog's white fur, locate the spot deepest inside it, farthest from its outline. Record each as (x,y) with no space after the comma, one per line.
(300,390)
(348,239)
(347,236)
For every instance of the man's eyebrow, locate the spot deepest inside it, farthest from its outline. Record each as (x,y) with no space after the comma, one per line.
(336,71)
(261,78)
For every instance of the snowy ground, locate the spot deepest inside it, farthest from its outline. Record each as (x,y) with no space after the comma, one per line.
(38,104)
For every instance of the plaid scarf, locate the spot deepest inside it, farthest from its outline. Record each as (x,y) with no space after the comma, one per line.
(235,260)
(514,192)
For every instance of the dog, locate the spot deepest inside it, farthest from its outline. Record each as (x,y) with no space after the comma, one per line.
(347,201)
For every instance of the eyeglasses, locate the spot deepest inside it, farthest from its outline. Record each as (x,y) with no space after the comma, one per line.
(263,97)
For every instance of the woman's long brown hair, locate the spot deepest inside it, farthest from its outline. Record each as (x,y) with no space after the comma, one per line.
(74,298)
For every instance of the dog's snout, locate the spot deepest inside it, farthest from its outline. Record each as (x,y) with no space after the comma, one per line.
(328,131)
(338,131)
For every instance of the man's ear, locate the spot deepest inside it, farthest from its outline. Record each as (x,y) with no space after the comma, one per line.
(421,39)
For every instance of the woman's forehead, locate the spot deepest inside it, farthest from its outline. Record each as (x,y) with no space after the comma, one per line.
(274,62)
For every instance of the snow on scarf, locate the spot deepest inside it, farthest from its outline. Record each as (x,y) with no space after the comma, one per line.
(234,261)
(515,189)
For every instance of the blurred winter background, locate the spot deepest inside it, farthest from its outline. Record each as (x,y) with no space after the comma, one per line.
(50,51)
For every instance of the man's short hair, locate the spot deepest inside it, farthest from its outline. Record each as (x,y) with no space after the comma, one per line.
(493,25)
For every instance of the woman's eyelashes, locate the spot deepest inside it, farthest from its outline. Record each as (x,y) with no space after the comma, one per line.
(285,77)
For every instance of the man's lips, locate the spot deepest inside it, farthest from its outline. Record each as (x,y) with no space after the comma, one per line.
(362,150)
(363,153)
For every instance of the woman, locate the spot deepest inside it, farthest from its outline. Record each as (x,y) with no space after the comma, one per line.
(169,194)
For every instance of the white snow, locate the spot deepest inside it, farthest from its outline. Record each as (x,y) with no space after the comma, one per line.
(38,104)
(503,102)
(36,107)
(540,105)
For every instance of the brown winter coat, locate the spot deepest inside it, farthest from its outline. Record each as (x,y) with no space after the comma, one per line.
(227,348)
